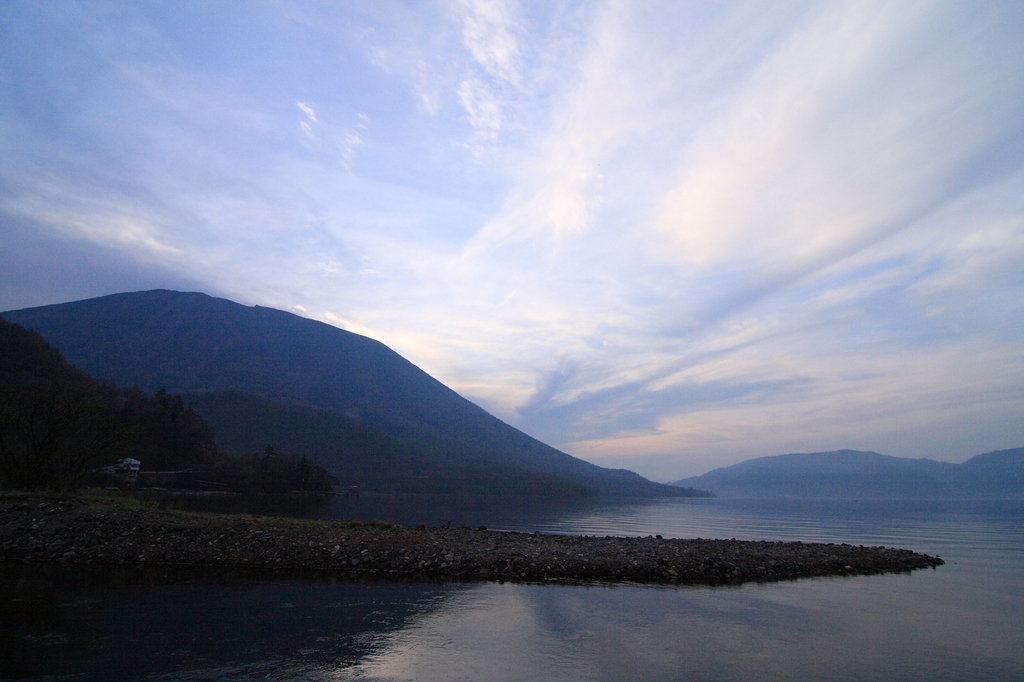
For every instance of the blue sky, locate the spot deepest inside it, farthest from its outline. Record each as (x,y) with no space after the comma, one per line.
(664,236)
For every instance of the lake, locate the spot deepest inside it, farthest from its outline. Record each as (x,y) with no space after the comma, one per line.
(961,621)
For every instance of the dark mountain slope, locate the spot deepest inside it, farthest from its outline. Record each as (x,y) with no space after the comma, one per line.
(56,421)
(57,424)
(857,474)
(355,454)
(192,343)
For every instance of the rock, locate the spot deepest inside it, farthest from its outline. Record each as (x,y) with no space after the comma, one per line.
(102,532)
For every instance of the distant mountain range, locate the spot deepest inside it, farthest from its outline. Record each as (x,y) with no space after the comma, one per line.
(262,377)
(855,474)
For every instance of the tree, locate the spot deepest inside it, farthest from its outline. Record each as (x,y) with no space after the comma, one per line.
(50,434)
(54,419)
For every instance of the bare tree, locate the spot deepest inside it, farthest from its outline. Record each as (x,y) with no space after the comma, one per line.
(50,433)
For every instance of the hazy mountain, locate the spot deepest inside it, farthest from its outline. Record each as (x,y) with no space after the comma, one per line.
(856,474)
(994,474)
(254,373)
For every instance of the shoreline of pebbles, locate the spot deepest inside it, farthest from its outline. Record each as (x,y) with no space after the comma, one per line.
(114,532)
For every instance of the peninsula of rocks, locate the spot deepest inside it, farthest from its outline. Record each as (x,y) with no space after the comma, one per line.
(111,531)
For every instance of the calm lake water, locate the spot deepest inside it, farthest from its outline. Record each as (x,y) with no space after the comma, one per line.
(962,621)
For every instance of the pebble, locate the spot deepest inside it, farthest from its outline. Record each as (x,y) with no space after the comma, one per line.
(111,531)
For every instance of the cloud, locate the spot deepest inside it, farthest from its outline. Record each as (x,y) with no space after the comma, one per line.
(347,324)
(656,234)
(482,108)
(41,267)
(308,111)
(785,199)
(467,55)
(827,150)
(489,29)
(348,140)
(351,142)
(307,126)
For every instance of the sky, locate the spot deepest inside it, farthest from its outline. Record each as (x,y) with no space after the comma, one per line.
(662,236)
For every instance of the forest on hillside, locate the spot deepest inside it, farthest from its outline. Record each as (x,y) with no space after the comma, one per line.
(59,427)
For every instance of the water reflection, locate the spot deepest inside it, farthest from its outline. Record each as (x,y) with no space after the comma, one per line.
(526,513)
(289,505)
(955,623)
(837,630)
(123,624)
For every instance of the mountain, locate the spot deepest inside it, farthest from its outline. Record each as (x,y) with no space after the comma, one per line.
(55,420)
(255,372)
(856,474)
(995,474)
(59,427)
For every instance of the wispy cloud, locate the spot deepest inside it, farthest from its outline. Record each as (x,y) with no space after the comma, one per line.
(821,154)
(660,235)
(307,125)
(308,111)
(489,31)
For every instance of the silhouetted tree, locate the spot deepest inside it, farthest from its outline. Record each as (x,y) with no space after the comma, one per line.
(54,419)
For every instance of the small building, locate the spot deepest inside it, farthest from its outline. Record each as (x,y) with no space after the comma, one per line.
(127,467)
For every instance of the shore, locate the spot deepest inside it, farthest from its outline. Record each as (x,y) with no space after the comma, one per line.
(111,531)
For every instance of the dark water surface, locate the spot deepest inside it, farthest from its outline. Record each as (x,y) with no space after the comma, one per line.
(962,621)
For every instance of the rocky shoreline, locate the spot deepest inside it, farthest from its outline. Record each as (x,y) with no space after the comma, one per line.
(110,531)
